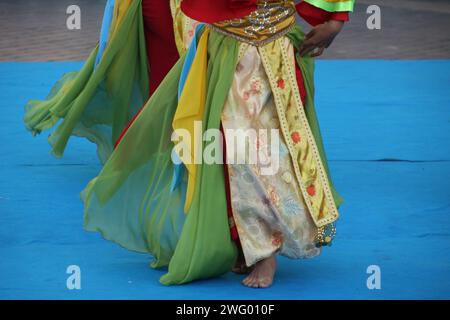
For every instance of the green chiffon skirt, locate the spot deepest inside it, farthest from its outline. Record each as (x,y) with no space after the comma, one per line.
(98,102)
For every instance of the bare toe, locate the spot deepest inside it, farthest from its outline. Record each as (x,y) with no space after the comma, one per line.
(251,279)
(254,283)
(265,282)
(247,280)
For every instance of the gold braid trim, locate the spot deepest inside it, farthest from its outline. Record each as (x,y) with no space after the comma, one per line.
(309,170)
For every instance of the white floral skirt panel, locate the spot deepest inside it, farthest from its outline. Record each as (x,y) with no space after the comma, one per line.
(268,207)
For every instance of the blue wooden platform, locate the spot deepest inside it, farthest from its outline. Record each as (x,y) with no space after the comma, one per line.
(386,126)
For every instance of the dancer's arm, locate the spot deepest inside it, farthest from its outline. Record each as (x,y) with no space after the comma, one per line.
(327,26)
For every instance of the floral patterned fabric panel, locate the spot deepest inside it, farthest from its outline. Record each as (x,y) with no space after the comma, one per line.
(268,207)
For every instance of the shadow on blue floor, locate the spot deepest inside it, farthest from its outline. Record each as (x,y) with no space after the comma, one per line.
(396,214)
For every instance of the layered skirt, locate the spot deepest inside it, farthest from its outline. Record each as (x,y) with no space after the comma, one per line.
(231,85)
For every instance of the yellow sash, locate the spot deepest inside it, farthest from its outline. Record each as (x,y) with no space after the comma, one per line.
(191,106)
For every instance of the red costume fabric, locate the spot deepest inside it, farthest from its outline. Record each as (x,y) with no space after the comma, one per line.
(315,16)
(209,11)
(162,51)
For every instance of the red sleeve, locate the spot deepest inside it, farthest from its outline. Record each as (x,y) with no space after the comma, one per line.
(210,11)
(315,16)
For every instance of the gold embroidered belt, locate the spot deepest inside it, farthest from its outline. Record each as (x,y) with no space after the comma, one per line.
(270,21)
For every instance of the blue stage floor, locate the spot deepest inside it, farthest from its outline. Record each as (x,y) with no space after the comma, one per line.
(386,126)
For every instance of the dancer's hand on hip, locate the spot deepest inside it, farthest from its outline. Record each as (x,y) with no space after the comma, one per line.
(320,37)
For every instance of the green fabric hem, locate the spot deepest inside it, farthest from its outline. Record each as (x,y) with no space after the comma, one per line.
(333,6)
(214,252)
(130,201)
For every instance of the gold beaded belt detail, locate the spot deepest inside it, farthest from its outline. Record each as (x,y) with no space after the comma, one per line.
(271,20)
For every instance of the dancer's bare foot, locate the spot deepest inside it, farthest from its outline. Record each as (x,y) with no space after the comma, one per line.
(262,274)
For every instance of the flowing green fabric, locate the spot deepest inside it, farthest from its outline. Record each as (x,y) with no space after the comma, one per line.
(130,201)
(98,104)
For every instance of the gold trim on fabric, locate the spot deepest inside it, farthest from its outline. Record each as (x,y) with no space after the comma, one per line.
(243,47)
(309,170)
(271,20)
(181,25)
(173,7)
(178,25)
